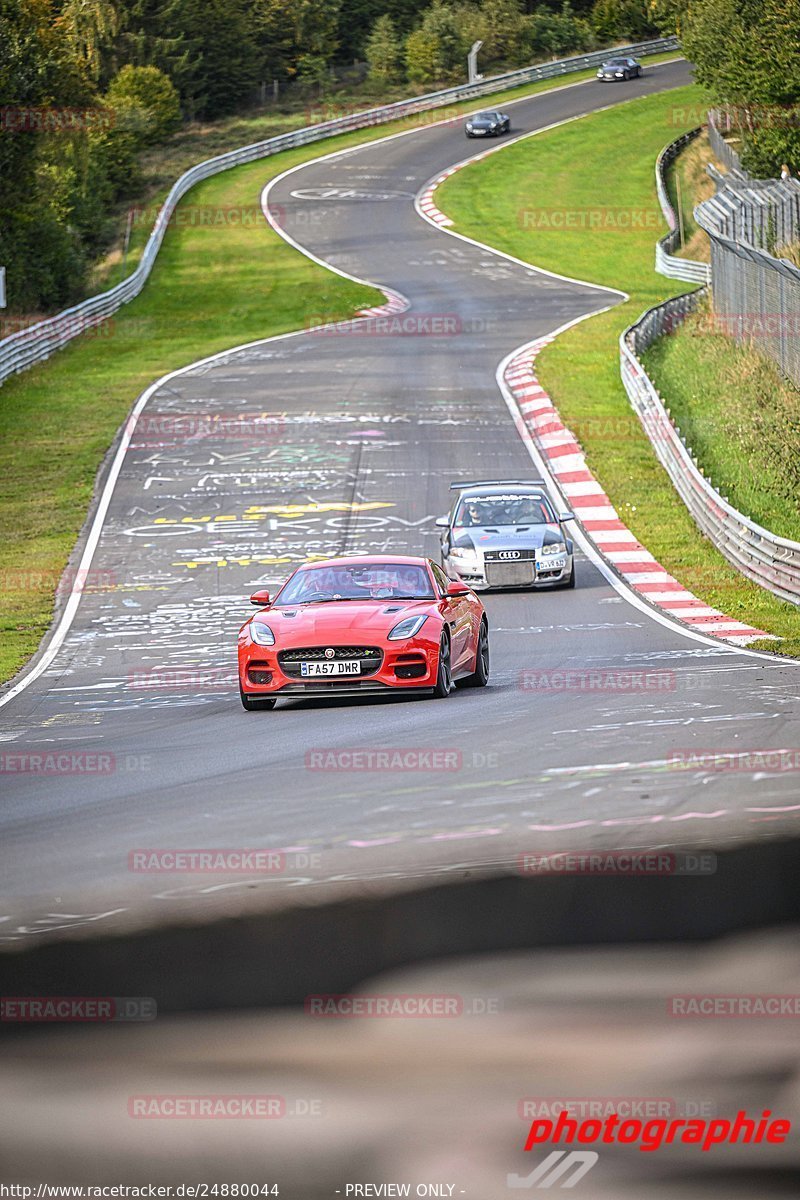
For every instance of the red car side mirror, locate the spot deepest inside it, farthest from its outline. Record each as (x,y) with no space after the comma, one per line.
(456,588)
(260,598)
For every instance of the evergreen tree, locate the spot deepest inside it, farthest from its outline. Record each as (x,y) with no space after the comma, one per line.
(383,52)
(222,58)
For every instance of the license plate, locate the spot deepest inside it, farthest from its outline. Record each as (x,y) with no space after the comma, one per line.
(515,574)
(551,564)
(346,666)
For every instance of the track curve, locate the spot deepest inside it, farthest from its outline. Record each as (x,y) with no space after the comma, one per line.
(365,431)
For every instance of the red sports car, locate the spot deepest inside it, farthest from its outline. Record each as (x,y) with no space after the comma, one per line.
(363,626)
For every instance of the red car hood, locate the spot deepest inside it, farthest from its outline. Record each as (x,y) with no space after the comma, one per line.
(340,621)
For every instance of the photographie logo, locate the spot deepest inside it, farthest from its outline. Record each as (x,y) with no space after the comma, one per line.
(650,1135)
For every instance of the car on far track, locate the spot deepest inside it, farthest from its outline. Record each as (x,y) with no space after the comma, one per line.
(505,533)
(487,124)
(363,626)
(619,68)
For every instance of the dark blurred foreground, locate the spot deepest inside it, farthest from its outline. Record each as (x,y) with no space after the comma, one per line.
(424,1100)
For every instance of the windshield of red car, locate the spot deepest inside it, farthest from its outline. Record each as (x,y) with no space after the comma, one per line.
(381,581)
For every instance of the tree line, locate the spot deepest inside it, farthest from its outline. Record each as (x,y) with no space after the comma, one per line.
(86,85)
(747,56)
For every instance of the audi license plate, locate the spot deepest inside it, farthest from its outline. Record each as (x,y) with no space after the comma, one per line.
(345,666)
(509,574)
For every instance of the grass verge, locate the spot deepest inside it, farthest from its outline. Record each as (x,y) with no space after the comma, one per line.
(745,429)
(491,201)
(211,288)
(688,183)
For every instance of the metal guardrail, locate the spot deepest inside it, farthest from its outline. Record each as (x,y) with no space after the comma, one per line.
(36,343)
(771,561)
(667,264)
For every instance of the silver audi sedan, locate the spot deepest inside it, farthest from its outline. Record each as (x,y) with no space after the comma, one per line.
(504,533)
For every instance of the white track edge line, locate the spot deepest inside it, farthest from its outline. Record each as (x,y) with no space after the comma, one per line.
(64,623)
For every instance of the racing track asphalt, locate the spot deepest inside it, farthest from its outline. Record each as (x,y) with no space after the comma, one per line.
(145,674)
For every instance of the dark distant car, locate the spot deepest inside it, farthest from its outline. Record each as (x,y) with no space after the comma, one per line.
(487,124)
(619,68)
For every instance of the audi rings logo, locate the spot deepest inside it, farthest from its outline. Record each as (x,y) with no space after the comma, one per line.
(509,554)
(329,653)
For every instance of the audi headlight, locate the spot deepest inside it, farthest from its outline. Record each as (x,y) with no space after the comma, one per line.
(464,552)
(554,548)
(409,627)
(261,634)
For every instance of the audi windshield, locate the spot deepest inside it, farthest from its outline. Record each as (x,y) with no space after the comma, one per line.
(504,510)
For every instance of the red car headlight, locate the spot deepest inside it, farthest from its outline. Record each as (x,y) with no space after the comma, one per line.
(261,634)
(407,628)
